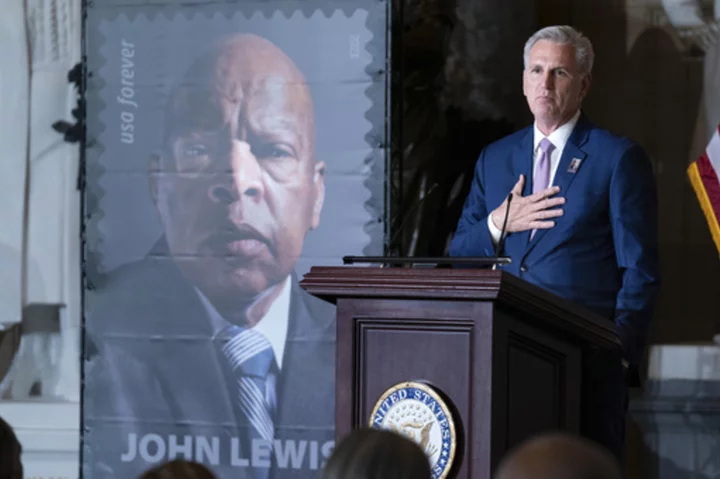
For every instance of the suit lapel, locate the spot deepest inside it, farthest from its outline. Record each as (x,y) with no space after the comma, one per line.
(208,374)
(521,165)
(571,160)
(306,394)
(188,362)
(308,365)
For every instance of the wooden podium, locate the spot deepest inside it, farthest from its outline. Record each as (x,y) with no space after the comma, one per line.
(507,355)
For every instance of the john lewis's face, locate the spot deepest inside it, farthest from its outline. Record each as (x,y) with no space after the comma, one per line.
(239,187)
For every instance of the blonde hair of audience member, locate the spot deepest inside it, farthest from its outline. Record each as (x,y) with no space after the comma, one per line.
(558,456)
(179,469)
(377,454)
(10,452)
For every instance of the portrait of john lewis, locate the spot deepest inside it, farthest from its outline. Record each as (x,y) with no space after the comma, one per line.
(209,335)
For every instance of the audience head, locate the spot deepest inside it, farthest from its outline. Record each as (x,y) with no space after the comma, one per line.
(178,469)
(10,452)
(377,454)
(558,456)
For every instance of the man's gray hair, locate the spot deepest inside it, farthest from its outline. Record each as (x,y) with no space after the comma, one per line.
(584,54)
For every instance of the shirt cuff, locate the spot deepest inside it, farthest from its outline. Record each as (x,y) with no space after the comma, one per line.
(494,231)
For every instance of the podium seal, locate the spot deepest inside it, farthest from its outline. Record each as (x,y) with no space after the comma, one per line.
(416,411)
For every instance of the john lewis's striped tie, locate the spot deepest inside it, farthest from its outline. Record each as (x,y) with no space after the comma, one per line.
(251,358)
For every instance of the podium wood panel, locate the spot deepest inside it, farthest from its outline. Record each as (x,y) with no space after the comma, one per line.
(396,341)
(507,356)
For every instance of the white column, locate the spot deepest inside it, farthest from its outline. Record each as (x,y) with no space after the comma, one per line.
(49,216)
(14,106)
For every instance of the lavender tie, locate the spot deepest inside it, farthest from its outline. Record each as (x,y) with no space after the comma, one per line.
(541,180)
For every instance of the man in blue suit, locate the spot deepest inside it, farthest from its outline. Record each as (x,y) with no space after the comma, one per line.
(582,222)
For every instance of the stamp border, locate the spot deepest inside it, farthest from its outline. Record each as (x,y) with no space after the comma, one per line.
(378,93)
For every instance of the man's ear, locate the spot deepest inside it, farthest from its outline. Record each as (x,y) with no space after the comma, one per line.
(319,186)
(154,168)
(586,82)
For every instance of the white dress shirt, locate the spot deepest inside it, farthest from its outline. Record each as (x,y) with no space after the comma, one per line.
(274,325)
(559,139)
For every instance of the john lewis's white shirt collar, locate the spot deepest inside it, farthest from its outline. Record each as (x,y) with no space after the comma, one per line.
(274,325)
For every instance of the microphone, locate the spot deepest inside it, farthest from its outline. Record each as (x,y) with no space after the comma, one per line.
(501,242)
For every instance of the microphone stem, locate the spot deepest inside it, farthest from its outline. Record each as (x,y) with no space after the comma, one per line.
(501,241)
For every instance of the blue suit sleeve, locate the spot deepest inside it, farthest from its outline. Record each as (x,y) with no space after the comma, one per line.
(634,221)
(472,236)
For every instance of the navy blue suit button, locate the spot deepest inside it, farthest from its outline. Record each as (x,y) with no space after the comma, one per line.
(523,268)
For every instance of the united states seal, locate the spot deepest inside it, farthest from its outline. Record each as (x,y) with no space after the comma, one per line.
(416,411)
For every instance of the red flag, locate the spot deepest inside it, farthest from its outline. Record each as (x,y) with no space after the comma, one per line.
(704,175)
